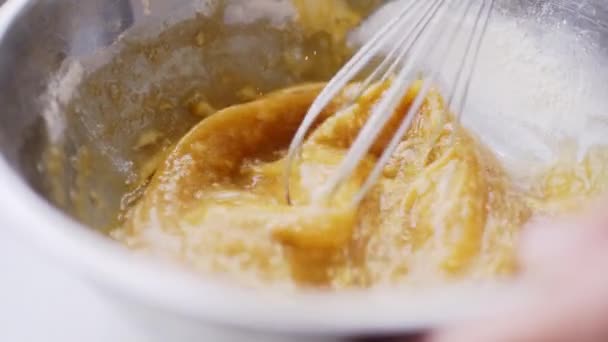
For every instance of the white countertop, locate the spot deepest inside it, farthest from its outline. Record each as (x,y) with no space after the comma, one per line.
(40,301)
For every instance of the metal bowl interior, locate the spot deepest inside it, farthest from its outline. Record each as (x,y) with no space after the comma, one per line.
(40,40)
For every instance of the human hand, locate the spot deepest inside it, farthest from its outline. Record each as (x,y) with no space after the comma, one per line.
(566,264)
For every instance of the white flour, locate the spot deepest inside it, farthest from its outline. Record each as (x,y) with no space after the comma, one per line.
(534,87)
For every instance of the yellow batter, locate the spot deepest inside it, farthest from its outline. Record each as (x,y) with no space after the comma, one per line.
(443,209)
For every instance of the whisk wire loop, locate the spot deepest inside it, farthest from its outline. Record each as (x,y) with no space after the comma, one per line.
(381,112)
(409,117)
(418,36)
(341,79)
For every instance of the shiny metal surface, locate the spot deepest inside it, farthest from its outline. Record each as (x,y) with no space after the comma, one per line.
(37,36)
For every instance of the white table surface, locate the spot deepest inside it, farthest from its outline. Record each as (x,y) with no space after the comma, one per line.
(41,301)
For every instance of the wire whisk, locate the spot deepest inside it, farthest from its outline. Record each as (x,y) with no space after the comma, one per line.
(415,46)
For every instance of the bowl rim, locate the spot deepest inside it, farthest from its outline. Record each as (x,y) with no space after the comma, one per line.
(167,289)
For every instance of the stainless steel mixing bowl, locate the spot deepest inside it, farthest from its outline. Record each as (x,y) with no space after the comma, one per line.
(37,41)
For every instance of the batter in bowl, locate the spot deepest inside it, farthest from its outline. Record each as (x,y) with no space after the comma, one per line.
(444,208)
